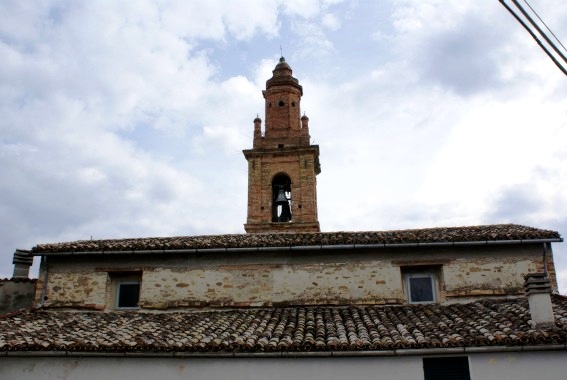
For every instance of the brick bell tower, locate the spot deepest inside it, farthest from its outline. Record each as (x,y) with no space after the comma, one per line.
(282,165)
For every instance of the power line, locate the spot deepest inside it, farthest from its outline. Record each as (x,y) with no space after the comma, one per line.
(559,64)
(541,32)
(546,27)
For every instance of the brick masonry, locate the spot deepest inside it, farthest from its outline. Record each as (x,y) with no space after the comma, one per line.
(282,149)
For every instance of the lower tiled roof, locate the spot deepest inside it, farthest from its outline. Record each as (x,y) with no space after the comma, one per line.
(495,232)
(292,329)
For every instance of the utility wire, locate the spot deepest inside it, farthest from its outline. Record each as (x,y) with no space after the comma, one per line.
(541,32)
(543,47)
(546,27)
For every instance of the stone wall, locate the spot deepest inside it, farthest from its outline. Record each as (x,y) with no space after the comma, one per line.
(303,277)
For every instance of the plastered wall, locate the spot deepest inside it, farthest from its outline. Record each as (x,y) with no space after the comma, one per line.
(16,294)
(550,365)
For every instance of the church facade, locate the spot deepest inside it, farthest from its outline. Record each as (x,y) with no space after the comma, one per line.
(286,300)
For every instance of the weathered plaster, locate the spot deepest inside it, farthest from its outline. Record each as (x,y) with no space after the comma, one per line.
(16,294)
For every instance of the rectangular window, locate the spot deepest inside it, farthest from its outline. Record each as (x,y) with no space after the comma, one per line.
(420,287)
(447,368)
(128,294)
(125,290)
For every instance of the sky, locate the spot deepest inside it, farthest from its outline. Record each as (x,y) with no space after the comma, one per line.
(123,119)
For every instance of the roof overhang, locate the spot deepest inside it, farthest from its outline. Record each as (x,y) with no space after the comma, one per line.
(298,248)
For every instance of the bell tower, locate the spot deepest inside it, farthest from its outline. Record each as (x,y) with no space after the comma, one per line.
(282,165)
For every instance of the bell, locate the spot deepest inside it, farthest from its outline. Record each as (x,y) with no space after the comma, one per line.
(281,199)
(285,215)
(283,211)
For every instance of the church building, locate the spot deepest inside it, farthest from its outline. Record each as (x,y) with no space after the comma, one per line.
(285,300)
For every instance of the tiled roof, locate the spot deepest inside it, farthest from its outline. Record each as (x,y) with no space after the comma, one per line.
(497,232)
(293,329)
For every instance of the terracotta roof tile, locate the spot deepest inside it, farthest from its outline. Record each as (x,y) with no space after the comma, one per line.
(426,235)
(292,329)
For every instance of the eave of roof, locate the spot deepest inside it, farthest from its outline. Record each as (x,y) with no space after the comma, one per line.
(449,236)
(287,354)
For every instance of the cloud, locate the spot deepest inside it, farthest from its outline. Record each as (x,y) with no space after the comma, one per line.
(128,120)
(466,47)
(83,87)
(331,21)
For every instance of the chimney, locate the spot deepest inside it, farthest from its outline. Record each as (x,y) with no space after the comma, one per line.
(538,289)
(22,263)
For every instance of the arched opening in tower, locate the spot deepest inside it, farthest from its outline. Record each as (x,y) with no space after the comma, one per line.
(281,198)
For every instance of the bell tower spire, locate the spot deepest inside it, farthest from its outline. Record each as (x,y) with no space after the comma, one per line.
(282,188)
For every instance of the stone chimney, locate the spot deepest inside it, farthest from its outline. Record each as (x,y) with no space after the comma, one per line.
(538,290)
(22,263)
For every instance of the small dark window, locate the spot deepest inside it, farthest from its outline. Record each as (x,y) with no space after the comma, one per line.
(127,294)
(293,104)
(448,368)
(280,146)
(281,103)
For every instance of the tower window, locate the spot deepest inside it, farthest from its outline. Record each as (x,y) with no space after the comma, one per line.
(281,198)
(293,104)
(281,103)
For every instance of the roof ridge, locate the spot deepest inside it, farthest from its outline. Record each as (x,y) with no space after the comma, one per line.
(497,232)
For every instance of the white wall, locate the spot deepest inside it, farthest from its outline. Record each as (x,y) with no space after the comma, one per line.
(519,366)
(502,366)
(210,369)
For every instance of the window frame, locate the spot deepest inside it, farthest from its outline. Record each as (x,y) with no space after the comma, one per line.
(118,277)
(421,274)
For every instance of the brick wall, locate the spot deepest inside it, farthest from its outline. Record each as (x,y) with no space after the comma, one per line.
(283,148)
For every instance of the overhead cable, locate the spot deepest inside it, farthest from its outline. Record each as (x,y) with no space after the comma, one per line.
(544,24)
(561,65)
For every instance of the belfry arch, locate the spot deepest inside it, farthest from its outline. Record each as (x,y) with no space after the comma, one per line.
(281,198)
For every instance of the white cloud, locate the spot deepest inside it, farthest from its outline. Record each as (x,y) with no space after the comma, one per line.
(303,8)
(331,21)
